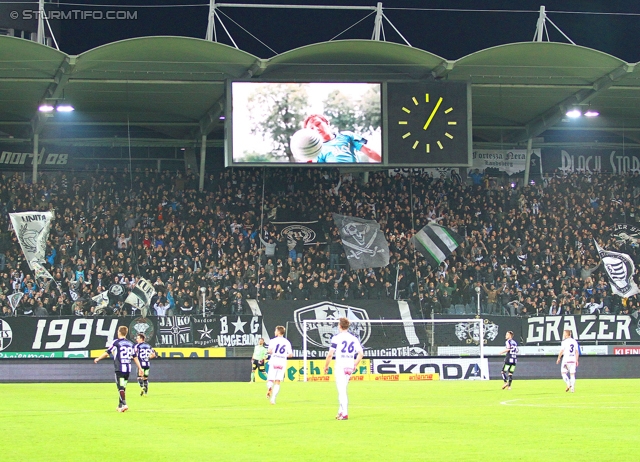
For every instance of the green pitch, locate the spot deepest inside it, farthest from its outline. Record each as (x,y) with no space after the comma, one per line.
(405,421)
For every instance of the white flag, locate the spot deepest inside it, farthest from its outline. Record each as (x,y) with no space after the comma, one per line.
(620,269)
(14,299)
(102,299)
(40,271)
(32,230)
(141,294)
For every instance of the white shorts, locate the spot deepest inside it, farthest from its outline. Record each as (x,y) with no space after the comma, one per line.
(275,372)
(343,375)
(569,367)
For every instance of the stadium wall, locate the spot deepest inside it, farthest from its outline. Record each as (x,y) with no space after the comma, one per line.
(237,369)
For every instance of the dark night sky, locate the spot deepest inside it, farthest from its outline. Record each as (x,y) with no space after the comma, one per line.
(450,34)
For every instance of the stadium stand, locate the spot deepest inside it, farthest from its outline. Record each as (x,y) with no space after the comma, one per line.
(529,249)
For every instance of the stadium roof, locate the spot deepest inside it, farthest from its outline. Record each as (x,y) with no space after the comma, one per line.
(168,91)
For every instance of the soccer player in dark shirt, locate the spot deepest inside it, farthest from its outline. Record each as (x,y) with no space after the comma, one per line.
(145,354)
(509,367)
(121,350)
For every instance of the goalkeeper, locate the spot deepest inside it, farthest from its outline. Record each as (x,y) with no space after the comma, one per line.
(258,359)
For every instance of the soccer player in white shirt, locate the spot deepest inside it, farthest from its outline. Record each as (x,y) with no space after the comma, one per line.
(569,353)
(280,350)
(348,353)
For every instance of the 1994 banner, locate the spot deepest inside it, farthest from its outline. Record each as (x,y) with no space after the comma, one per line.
(28,335)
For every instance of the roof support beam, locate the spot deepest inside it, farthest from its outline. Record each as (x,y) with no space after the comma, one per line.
(441,71)
(212,116)
(54,90)
(555,114)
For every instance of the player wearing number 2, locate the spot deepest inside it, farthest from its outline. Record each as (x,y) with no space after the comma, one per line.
(348,352)
(280,350)
(510,361)
(569,353)
(121,349)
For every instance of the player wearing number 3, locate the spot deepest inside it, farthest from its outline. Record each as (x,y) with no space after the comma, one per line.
(348,352)
(280,350)
(570,353)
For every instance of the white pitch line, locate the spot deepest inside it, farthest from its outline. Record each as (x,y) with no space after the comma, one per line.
(512,402)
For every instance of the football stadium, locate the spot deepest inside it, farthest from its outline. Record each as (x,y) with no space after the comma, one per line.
(351,246)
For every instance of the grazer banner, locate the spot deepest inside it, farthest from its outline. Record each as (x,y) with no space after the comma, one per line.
(399,339)
(616,161)
(586,328)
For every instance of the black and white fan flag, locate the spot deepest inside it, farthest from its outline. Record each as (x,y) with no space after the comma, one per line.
(436,243)
(32,230)
(141,295)
(620,269)
(363,242)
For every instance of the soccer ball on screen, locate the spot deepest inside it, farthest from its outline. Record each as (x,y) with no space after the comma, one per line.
(306,144)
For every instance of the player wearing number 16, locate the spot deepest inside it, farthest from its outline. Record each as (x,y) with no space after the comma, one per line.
(121,349)
(348,352)
(280,350)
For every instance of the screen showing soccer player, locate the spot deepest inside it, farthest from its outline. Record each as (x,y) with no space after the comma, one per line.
(306,123)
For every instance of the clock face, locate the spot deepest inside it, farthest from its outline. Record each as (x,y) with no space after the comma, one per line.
(428,123)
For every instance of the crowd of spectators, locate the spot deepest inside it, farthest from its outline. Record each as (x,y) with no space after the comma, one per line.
(528,249)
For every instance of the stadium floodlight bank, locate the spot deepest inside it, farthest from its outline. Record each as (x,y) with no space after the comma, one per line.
(426,338)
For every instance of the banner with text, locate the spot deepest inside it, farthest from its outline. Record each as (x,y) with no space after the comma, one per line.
(508,161)
(71,335)
(587,328)
(571,160)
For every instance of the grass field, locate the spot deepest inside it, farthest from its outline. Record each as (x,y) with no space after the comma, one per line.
(403,421)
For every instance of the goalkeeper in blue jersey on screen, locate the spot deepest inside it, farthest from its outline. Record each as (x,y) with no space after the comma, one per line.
(341,147)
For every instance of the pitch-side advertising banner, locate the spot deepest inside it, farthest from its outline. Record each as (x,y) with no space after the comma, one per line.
(446,368)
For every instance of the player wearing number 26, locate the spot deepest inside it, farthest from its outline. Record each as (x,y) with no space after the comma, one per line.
(279,350)
(348,353)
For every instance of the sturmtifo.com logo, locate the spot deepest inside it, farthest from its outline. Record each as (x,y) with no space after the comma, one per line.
(319,333)
(6,335)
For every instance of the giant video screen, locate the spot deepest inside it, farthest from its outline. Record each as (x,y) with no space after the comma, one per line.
(305,123)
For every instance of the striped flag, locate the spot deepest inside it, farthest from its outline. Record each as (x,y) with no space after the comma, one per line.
(436,243)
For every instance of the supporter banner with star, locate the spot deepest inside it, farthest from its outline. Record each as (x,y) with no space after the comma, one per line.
(399,339)
(208,331)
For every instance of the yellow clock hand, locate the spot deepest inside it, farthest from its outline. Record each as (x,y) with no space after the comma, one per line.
(435,109)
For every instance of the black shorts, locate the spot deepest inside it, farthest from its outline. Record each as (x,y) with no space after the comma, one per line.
(145,371)
(257,364)
(124,375)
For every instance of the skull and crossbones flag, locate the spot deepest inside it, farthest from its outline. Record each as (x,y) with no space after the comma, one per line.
(363,242)
(436,243)
(620,269)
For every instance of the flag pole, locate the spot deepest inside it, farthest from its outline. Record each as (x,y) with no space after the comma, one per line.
(415,260)
(260,236)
